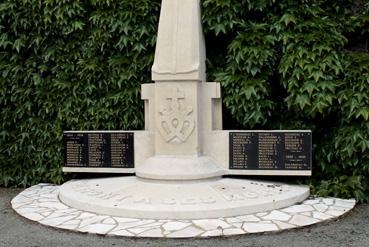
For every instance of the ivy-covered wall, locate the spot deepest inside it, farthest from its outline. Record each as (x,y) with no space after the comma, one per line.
(286,64)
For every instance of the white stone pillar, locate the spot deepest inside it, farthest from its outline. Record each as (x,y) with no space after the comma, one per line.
(180,45)
(179,104)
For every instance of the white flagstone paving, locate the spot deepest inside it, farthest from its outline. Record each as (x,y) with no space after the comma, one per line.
(283,225)
(211,224)
(153,233)
(175,226)
(259,227)
(40,203)
(249,218)
(190,231)
(321,207)
(328,201)
(298,209)
(321,216)
(277,215)
(233,231)
(301,220)
(212,233)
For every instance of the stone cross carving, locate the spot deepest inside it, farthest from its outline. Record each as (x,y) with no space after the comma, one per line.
(176,122)
(174,97)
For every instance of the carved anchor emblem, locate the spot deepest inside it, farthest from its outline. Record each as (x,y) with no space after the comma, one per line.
(176,124)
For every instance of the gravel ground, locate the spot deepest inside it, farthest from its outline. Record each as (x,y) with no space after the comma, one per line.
(350,230)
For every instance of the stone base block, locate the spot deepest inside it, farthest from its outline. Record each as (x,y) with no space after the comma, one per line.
(197,199)
(184,167)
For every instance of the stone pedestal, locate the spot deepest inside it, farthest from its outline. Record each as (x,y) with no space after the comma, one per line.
(181,117)
(134,197)
(182,109)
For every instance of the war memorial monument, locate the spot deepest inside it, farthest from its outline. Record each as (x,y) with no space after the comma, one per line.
(181,163)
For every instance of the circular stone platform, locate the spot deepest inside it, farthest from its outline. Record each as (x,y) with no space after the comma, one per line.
(195,199)
(41,203)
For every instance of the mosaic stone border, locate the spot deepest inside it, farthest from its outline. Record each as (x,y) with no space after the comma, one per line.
(40,203)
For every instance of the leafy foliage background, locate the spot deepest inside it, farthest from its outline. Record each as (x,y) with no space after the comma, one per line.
(287,64)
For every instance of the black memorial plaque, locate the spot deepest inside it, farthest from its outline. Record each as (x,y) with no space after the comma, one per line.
(99,149)
(270,150)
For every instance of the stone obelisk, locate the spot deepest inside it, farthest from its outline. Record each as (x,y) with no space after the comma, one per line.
(181,108)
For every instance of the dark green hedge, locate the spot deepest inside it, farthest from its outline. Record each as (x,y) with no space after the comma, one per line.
(293,64)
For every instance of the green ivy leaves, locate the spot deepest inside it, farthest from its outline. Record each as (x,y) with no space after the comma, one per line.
(68,65)
(250,58)
(287,65)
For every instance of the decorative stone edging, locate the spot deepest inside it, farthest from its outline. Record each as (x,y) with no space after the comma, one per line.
(40,203)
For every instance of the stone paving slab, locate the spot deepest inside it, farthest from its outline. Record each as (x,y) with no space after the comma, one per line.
(40,203)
